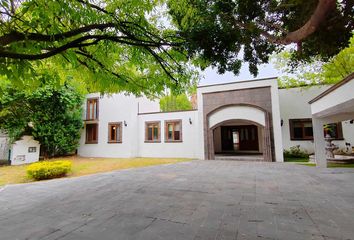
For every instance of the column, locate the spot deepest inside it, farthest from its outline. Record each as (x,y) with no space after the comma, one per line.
(320,151)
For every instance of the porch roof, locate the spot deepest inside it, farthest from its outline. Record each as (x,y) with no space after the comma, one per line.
(337,102)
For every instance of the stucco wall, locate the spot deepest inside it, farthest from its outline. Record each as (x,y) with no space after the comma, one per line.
(117,108)
(20,151)
(294,105)
(185,149)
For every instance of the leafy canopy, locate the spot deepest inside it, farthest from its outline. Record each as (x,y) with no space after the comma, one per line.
(110,45)
(226,33)
(51,114)
(316,71)
(175,103)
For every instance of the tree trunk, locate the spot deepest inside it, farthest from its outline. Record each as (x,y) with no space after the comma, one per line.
(324,7)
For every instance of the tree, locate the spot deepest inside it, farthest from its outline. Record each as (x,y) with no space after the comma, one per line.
(51,114)
(175,103)
(129,45)
(315,71)
(217,30)
(112,45)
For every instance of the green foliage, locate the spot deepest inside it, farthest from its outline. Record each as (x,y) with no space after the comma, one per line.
(51,114)
(295,152)
(175,103)
(315,71)
(110,45)
(48,170)
(225,33)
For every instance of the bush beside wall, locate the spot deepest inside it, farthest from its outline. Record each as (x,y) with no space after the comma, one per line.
(295,152)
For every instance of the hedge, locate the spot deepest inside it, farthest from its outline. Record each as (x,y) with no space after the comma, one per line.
(48,170)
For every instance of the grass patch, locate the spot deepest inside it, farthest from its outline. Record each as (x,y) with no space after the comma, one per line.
(330,165)
(341,165)
(309,164)
(298,159)
(85,166)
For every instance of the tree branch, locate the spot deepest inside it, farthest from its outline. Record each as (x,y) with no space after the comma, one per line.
(16,36)
(324,7)
(79,42)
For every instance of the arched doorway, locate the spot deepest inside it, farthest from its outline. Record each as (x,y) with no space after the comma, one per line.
(240,138)
(239,130)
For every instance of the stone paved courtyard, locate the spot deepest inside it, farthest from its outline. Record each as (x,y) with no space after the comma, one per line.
(193,200)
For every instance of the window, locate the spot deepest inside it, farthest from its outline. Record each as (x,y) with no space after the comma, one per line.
(334,130)
(152,132)
(301,129)
(92,133)
(92,109)
(173,131)
(115,132)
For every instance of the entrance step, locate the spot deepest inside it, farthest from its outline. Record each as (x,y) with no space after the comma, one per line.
(256,158)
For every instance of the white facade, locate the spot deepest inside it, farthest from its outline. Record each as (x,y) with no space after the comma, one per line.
(294,104)
(133,114)
(117,108)
(25,151)
(184,149)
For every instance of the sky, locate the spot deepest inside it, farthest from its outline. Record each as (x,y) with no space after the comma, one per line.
(210,76)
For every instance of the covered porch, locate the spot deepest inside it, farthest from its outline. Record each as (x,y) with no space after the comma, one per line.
(336,104)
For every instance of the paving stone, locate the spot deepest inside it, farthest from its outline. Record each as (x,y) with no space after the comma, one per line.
(196,200)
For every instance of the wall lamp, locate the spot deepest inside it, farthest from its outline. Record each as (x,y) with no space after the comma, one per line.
(351,121)
(125,123)
(281,122)
(190,121)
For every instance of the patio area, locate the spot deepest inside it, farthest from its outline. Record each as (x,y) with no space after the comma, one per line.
(189,200)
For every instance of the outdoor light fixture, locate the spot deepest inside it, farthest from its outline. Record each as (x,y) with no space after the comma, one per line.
(281,122)
(190,121)
(125,123)
(351,121)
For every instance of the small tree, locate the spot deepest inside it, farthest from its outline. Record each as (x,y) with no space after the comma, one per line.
(51,114)
(175,103)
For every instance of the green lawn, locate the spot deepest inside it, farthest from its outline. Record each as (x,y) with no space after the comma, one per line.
(305,162)
(85,166)
(288,159)
(341,165)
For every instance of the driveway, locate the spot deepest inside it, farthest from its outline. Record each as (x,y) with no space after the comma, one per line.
(193,200)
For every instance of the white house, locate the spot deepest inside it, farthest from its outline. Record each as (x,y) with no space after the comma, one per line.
(233,120)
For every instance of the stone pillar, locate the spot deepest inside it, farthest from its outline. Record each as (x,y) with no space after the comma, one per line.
(320,144)
(267,142)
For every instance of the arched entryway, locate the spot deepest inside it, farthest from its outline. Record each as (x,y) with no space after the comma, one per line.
(238,138)
(239,130)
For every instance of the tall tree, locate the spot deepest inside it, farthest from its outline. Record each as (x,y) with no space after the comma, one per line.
(112,45)
(51,114)
(217,30)
(315,71)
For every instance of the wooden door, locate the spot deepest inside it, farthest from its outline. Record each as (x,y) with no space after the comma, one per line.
(248,138)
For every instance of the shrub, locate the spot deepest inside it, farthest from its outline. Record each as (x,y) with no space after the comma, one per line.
(295,152)
(48,170)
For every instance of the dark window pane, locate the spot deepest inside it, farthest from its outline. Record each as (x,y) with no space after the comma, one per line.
(177,136)
(298,132)
(149,133)
(156,133)
(308,132)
